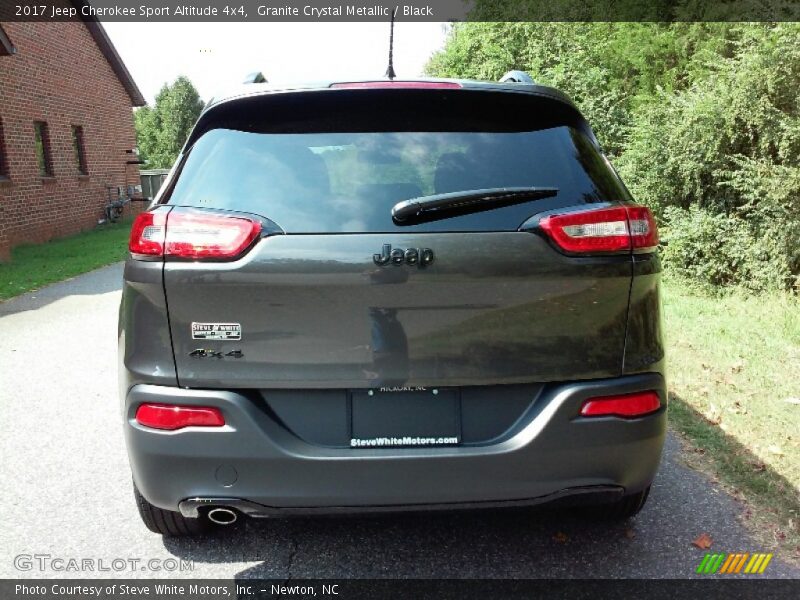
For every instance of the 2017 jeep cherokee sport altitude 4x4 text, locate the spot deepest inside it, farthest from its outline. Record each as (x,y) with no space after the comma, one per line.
(390,295)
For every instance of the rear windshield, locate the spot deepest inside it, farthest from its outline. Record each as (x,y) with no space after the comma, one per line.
(348,181)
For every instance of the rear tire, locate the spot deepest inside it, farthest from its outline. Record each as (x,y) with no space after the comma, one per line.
(168,522)
(624,508)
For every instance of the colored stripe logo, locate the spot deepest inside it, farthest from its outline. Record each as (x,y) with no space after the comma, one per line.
(732,564)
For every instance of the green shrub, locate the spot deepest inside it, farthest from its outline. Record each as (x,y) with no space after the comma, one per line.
(717,251)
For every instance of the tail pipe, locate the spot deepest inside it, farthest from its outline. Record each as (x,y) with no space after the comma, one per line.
(222,516)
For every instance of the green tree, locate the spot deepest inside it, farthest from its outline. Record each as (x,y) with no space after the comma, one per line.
(162,130)
(610,70)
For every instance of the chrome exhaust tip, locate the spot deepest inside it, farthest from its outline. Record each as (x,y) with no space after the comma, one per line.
(222,516)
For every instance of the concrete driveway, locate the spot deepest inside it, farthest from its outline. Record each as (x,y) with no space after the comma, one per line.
(68,488)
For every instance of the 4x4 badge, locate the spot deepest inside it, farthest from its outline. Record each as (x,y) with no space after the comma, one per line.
(421,257)
(203,353)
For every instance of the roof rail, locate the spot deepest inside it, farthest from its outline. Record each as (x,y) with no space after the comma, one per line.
(256,77)
(517,77)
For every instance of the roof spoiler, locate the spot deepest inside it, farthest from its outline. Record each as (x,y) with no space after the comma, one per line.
(517,77)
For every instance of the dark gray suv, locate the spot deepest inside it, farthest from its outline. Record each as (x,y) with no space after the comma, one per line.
(390,295)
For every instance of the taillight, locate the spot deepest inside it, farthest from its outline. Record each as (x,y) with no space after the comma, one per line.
(193,235)
(147,234)
(618,229)
(625,405)
(171,417)
(206,235)
(644,233)
(411,85)
(604,230)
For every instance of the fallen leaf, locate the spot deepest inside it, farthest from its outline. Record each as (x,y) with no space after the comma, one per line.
(561,537)
(703,541)
(630,533)
(795,401)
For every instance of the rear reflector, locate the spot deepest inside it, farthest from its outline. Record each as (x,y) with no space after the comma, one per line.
(193,235)
(411,85)
(171,417)
(618,229)
(626,406)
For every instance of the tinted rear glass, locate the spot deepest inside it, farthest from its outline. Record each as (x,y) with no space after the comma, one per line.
(330,181)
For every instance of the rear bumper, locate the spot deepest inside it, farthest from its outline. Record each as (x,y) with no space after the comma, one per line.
(193,507)
(256,465)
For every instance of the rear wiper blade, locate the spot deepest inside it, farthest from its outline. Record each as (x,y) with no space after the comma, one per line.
(467,201)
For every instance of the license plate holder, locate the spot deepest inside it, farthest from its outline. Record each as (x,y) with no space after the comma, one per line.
(414,418)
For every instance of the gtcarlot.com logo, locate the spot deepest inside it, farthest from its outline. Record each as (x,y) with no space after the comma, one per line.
(72,564)
(734,564)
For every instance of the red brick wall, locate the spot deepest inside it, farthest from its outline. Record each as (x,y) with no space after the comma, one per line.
(59,75)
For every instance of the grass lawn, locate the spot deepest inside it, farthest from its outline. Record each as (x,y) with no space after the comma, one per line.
(34,266)
(734,376)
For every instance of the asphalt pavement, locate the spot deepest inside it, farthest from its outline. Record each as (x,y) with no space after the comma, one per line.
(68,489)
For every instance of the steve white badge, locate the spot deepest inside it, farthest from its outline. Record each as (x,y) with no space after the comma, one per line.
(216,331)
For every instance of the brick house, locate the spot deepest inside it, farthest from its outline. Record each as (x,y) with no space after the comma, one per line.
(66,129)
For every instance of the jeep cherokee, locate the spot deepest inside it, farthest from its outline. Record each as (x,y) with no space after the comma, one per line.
(390,295)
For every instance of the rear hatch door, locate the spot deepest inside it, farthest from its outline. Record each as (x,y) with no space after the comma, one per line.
(340,295)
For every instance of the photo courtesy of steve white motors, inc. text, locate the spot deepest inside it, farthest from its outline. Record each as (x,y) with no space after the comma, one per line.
(162,590)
